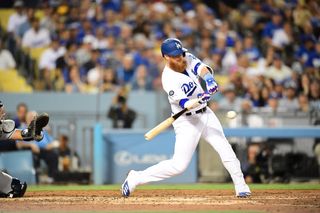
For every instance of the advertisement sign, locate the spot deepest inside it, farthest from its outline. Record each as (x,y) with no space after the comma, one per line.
(127,151)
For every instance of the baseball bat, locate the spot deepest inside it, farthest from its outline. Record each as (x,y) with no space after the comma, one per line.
(166,123)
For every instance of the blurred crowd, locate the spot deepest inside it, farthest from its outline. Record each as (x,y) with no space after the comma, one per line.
(266,54)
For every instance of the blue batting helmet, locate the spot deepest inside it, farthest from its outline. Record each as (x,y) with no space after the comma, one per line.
(172,47)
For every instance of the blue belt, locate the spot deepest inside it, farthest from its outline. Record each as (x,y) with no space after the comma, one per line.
(197,112)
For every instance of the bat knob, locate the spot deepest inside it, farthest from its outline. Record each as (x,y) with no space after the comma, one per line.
(147,137)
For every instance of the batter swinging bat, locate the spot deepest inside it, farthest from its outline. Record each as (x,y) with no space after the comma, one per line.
(166,123)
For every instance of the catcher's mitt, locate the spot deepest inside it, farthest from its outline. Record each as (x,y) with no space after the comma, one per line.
(33,132)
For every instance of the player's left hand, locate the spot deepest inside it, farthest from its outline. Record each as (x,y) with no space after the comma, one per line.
(212,86)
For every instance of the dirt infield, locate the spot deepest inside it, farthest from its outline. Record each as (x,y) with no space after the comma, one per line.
(166,200)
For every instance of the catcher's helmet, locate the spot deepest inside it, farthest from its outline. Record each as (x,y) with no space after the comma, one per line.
(172,47)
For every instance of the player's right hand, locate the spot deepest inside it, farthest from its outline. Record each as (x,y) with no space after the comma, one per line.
(204,97)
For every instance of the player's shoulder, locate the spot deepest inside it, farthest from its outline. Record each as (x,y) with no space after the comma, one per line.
(167,72)
(190,56)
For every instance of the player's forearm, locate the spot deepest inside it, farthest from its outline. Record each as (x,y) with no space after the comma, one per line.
(207,75)
(205,70)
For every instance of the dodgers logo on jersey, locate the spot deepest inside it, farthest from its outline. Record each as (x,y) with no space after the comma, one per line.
(189,88)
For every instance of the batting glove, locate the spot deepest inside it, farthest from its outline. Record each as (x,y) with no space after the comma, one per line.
(212,85)
(205,97)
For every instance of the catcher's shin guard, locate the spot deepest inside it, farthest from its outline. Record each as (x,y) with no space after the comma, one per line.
(33,132)
(18,189)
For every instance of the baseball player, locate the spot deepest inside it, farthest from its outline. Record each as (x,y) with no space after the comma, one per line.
(180,80)
(10,186)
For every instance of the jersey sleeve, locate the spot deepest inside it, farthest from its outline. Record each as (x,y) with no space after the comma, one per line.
(196,64)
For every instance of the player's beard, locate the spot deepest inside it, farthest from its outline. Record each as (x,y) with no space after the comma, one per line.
(179,66)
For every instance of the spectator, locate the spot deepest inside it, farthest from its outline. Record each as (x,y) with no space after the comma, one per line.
(264,94)
(51,80)
(304,105)
(249,118)
(250,49)
(229,60)
(259,158)
(255,96)
(95,59)
(230,101)
(17,18)
(277,91)
(68,160)
(252,172)
(83,54)
(21,113)
(109,81)
(305,51)
(36,37)
(289,101)
(272,106)
(25,26)
(50,19)
(141,80)
(94,79)
(301,14)
(75,84)
(242,64)
(279,72)
(314,59)
(314,95)
(283,37)
(236,79)
(120,113)
(49,56)
(126,72)
(7,61)
(64,62)
(274,24)
(102,42)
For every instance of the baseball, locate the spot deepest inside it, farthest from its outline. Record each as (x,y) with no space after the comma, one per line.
(231,114)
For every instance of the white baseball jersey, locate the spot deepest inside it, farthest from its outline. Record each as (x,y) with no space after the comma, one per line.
(183,85)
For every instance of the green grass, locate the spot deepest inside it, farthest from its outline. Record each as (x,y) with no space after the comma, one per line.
(198,186)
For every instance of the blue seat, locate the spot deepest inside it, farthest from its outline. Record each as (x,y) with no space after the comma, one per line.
(19,164)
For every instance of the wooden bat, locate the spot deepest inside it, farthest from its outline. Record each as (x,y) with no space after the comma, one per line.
(166,123)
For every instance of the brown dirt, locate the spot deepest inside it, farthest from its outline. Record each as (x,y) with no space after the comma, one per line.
(166,200)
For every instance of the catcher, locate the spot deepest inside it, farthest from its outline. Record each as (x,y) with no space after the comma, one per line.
(9,186)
